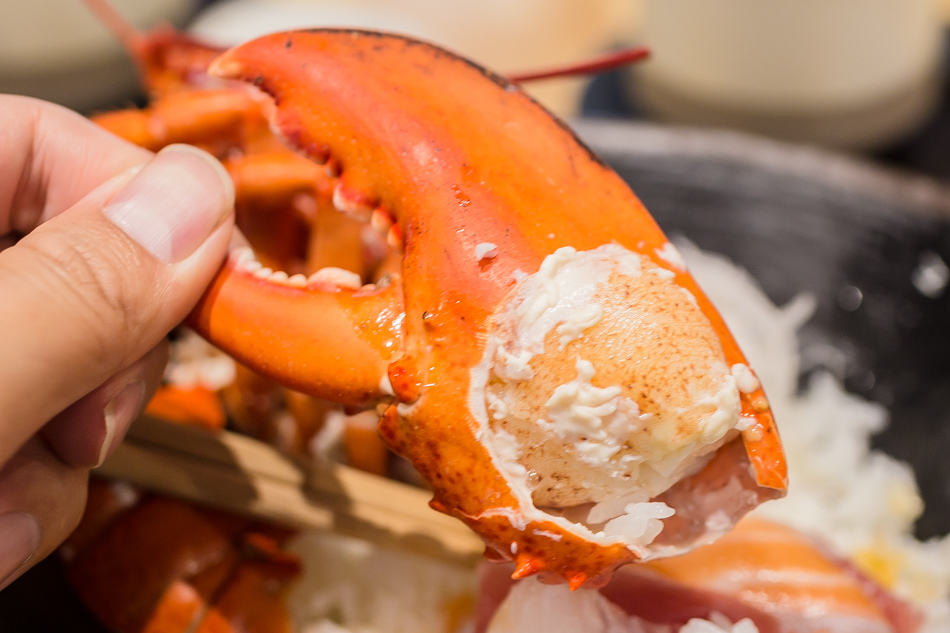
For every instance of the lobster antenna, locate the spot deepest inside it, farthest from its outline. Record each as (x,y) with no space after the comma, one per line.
(130,37)
(593,65)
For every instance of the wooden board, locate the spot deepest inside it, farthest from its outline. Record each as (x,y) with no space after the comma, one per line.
(239,474)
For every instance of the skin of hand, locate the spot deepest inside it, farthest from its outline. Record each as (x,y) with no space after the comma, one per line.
(104,248)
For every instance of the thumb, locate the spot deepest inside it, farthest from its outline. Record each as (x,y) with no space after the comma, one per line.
(92,290)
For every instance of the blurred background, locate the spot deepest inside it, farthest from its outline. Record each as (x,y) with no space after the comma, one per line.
(857,75)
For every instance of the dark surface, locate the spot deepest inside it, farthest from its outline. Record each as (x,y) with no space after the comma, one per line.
(41,601)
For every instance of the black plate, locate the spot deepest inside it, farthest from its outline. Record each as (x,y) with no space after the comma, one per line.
(803,220)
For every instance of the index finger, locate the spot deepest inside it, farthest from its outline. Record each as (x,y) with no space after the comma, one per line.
(50,158)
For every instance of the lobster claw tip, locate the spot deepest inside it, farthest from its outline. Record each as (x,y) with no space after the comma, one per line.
(527,566)
(576,581)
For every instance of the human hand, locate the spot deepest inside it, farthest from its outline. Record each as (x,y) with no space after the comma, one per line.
(117,246)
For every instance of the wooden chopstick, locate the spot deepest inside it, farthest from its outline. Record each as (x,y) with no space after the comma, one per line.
(240,474)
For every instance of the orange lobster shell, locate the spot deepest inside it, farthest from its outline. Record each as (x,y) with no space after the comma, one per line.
(157,565)
(454,159)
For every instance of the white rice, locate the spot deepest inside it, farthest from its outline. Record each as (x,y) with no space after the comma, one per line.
(351,586)
(861,501)
(193,362)
(532,607)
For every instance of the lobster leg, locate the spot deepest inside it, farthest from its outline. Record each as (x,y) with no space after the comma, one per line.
(216,120)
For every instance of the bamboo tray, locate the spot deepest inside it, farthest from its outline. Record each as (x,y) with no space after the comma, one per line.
(239,474)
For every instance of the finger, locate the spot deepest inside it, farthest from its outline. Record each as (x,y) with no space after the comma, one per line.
(89,292)
(89,430)
(50,158)
(41,501)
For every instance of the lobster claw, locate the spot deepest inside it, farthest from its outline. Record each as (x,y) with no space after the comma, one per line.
(551,367)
